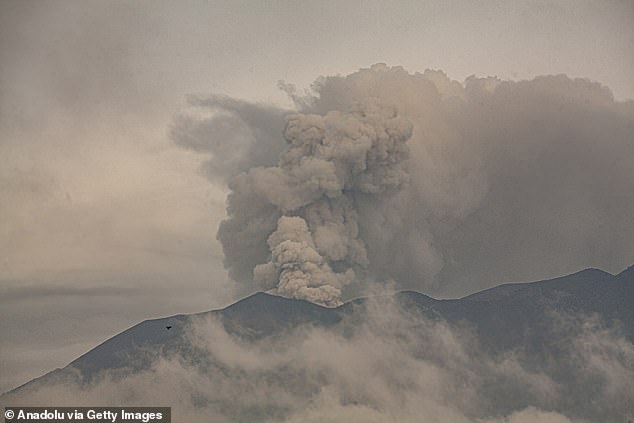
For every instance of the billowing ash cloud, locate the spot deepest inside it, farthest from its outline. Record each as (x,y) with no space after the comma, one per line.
(334,164)
(496,177)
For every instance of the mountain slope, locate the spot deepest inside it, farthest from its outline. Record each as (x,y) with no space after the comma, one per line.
(536,320)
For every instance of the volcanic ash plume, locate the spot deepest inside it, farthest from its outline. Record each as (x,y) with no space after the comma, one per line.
(305,209)
(497,180)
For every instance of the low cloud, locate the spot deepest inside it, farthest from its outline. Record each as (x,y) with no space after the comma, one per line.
(382,364)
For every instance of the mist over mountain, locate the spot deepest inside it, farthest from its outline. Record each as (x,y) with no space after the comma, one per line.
(558,350)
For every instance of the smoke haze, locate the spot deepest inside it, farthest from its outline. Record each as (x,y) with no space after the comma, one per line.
(447,188)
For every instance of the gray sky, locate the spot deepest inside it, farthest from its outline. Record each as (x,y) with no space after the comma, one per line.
(105,222)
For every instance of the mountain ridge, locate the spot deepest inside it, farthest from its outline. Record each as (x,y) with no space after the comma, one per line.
(512,310)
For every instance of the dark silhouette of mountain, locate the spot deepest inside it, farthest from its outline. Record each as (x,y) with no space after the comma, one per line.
(511,316)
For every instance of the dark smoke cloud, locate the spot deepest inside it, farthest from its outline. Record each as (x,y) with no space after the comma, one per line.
(501,181)
(243,134)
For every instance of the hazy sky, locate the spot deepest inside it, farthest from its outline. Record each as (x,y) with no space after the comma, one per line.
(105,222)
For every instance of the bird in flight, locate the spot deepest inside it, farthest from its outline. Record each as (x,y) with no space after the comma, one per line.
(168,327)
